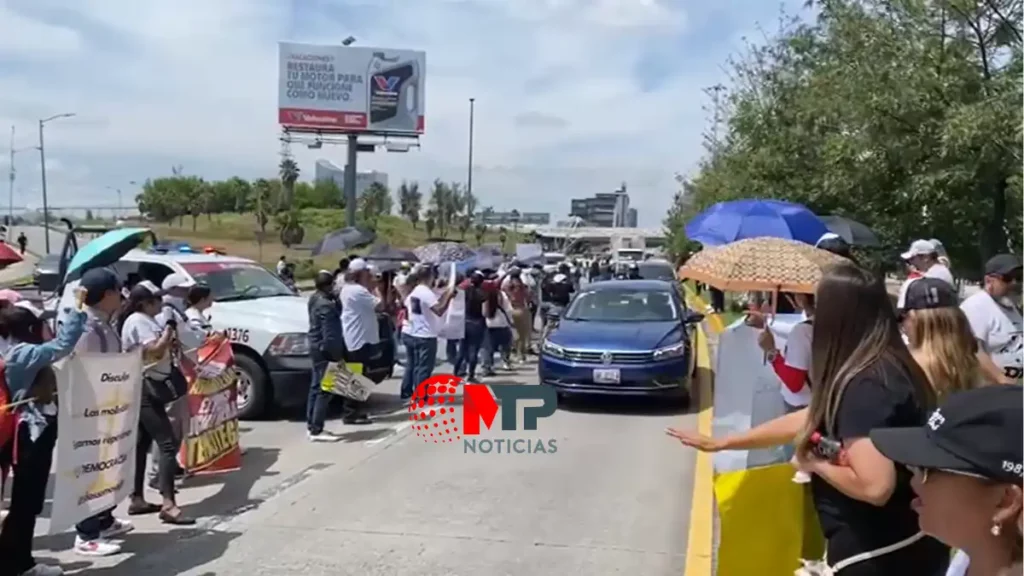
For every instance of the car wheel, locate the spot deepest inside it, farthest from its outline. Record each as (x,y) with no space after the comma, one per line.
(253,388)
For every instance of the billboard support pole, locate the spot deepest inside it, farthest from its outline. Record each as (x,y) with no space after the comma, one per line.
(350,180)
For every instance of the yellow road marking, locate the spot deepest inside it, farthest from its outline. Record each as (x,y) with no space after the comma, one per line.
(700,540)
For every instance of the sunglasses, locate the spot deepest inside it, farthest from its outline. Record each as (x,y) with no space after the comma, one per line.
(924,473)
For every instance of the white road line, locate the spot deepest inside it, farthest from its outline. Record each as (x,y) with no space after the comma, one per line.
(394,432)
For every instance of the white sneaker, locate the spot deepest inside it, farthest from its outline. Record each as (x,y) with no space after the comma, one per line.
(43,570)
(118,528)
(324,436)
(98,547)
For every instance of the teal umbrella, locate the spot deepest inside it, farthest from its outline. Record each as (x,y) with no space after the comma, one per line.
(105,250)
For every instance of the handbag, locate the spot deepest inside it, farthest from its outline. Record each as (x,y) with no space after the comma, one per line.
(347,380)
(822,567)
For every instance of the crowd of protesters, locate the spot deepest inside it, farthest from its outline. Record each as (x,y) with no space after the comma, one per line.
(924,401)
(108,317)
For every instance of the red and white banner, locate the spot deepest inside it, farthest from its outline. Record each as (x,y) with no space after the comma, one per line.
(211,445)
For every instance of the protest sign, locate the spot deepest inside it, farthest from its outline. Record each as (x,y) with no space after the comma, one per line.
(98,421)
(211,445)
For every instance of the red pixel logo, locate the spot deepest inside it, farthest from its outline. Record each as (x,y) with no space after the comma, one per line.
(434,411)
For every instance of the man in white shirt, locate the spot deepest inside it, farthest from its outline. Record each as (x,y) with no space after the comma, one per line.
(359,326)
(995,317)
(923,255)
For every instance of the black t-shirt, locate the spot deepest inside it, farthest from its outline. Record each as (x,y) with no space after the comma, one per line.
(559,293)
(475,303)
(882,396)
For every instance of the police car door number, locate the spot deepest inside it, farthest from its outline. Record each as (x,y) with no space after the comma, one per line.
(237,334)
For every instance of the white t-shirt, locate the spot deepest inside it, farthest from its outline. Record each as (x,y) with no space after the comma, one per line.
(421,321)
(998,328)
(358,316)
(959,564)
(500,320)
(936,271)
(139,330)
(798,355)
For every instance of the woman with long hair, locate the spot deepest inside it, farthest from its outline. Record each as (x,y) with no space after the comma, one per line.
(862,377)
(966,462)
(139,328)
(939,336)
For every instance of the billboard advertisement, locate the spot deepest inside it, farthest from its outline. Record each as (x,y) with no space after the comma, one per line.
(351,89)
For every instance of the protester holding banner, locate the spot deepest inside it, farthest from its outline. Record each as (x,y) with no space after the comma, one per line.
(140,329)
(863,378)
(31,380)
(102,303)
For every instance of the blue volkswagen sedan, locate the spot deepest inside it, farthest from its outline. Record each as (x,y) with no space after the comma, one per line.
(622,337)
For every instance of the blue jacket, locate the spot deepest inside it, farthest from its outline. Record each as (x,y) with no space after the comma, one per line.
(326,341)
(23,362)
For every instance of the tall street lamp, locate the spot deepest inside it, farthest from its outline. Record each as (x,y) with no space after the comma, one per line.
(42,170)
(469,177)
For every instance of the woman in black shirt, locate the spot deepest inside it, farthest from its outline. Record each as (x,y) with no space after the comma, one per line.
(862,377)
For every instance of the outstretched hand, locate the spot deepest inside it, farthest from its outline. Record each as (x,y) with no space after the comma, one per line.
(695,440)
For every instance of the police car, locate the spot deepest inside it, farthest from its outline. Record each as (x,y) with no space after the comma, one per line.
(265,320)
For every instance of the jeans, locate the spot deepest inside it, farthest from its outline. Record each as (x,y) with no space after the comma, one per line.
(452,351)
(28,493)
(155,425)
(498,340)
(91,527)
(469,351)
(421,354)
(316,402)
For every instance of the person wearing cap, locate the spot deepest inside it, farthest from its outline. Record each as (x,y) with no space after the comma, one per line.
(359,327)
(995,317)
(26,361)
(968,472)
(939,336)
(923,256)
(140,328)
(326,345)
(940,248)
(174,290)
(102,303)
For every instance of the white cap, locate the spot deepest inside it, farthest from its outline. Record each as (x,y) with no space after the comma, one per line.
(559,278)
(149,286)
(177,281)
(358,265)
(919,248)
(827,236)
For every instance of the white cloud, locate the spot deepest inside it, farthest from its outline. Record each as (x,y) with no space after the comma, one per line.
(193,82)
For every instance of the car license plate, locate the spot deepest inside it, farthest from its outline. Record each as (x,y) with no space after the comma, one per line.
(606,376)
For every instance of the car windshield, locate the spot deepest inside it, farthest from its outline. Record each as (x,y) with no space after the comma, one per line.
(232,281)
(657,271)
(623,305)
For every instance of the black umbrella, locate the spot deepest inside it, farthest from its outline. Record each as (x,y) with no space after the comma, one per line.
(855,233)
(344,239)
(386,252)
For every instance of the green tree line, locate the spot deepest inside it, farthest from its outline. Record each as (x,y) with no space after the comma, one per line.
(448,209)
(901,114)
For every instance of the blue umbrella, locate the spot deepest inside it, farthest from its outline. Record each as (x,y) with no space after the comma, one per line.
(727,222)
(105,250)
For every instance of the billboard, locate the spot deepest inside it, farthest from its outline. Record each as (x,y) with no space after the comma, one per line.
(350,89)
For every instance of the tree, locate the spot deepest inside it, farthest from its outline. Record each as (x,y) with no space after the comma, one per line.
(679,213)
(261,190)
(410,201)
(469,204)
(904,115)
(89,216)
(289,172)
(465,223)
(375,202)
(429,225)
(480,232)
(502,236)
(289,226)
(441,206)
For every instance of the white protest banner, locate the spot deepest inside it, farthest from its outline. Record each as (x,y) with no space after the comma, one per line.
(99,397)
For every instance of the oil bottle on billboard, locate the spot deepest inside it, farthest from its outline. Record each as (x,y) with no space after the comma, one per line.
(392,96)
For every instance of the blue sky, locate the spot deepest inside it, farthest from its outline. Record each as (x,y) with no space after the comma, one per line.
(572,96)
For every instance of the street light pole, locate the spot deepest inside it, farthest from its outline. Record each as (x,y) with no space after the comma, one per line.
(10,191)
(42,169)
(469,177)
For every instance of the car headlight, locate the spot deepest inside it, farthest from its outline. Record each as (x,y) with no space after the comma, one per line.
(673,351)
(296,344)
(553,349)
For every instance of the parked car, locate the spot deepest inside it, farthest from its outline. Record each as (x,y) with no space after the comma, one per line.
(627,337)
(657,270)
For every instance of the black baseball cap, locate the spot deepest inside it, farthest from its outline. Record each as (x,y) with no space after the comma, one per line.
(1003,265)
(975,432)
(97,282)
(927,293)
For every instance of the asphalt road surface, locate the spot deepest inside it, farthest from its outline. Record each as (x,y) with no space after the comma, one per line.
(36,236)
(614,499)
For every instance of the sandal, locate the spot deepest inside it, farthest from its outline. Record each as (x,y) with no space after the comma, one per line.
(178,519)
(143,508)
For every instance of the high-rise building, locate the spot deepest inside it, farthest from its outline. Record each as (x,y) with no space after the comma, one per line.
(604,209)
(631,217)
(327,170)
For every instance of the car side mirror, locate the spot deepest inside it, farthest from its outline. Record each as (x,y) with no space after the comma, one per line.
(692,317)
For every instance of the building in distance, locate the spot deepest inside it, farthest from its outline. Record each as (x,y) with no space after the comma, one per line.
(327,170)
(604,209)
